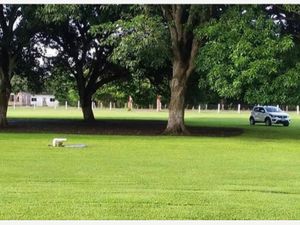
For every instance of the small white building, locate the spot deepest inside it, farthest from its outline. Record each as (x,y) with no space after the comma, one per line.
(43,100)
(20,99)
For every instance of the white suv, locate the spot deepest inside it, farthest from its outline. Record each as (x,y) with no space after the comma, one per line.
(269,115)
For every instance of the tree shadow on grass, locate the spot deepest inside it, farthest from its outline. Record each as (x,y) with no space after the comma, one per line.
(110,127)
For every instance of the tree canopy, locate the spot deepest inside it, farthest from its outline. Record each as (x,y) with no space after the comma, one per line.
(83,54)
(246,57)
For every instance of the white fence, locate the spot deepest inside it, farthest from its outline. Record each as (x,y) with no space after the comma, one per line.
(219,108)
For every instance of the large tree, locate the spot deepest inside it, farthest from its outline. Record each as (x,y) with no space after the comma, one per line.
(17,29)
(85,55)
(182,20)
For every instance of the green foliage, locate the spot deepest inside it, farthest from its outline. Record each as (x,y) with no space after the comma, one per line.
(30,83)
(18,27)
(142,91)
(141,46)
(19,84)
(85,37)
(287,86)
(292,8)
(111,93)
(244,57)
(57,14)
(144,42)
(62,86)
(199,92)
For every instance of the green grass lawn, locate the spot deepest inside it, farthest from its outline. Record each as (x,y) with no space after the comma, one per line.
(252,176)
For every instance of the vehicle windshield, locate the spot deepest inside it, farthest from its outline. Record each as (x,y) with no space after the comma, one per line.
(273,109)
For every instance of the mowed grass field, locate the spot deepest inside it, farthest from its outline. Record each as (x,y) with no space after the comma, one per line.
(252,176)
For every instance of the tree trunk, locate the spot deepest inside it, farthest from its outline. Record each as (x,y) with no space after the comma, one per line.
(4,97)
(86,106)
(3,113)
(184,47)
(176,107)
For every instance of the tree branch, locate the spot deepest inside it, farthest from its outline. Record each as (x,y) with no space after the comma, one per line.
(3,21)
(114,72)
(194,51)
(177,11)
(166,12)
(12,18)
(170,16)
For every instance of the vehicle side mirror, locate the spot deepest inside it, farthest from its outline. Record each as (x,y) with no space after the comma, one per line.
(262,111)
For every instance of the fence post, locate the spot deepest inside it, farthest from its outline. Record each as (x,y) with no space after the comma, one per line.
(78,105)
(205,106)
(66,105)
(239,108)
(297,109)
(34,105)
(14,103)
(199,108)
(218,108)
(110,106)
(287,108)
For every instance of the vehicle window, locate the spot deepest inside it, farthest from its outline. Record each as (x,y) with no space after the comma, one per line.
(261,110)
(256,109)
(273,109)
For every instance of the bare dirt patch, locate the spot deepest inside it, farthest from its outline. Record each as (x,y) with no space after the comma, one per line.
(109,127)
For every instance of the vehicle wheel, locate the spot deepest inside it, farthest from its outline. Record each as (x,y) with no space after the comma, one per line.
(268,122)
(286,124)
(252,121)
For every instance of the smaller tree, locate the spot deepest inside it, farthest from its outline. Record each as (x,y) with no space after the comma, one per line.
(143,49)
(83,54)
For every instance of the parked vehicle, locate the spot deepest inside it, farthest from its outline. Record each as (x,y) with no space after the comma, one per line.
(269,115)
